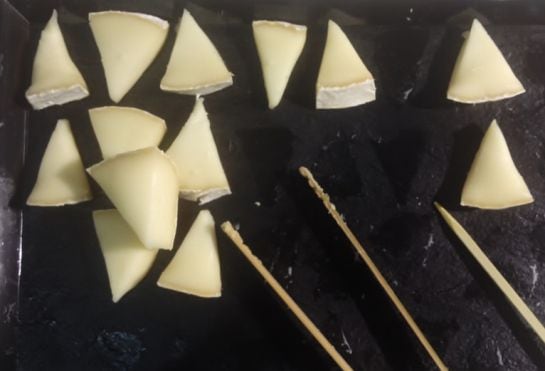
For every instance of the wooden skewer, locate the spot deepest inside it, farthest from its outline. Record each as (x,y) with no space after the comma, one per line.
(324,197)
(227,227)
(493,272)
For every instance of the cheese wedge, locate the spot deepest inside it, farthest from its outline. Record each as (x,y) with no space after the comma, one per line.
(195,269)
(195,66)
(128,43)
(143,186)
(127,260)
(196,157)
(55,78)
(125,129)
(279,45)
(343,81)
(481,73)
(493,182)
(61,178)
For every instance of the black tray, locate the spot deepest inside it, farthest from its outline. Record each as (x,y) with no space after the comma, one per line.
(383,164)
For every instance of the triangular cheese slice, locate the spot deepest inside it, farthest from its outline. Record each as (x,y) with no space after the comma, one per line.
(279,45)
(128,43)
(127,260)
(124,129)
(195,269)
(195,66)
(55,78)
(196,157)
(493,181)
(344,81)
(61,179)
(143,186)
(481,73)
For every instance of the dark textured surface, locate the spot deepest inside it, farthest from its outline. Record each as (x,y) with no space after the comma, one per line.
(383,164)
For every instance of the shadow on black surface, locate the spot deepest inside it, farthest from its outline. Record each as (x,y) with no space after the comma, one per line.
(381,316)
(466,144)
(524,334)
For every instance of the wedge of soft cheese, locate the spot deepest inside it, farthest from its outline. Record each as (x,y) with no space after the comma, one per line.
(61,178)
(143,186)
(343,81)
(124,129)
(128,43)
(279,45)
(493,182)
(196,157)
(195,66)
(481,73)
(127,260)
(55,78)
(195,269)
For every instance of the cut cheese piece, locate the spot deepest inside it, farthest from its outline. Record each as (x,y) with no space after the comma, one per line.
(195,269)
(493,272)
(128,43)
(279,45)
(196,157)
(493,182)
(127,260)
(55,78)
(125,129)
(195,66)
(61,179)
(344,81)
(481,73)
(143,186)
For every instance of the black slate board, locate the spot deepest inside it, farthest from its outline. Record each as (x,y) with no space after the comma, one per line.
(383,164)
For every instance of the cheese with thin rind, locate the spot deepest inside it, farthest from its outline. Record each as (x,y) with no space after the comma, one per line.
(344,80)
(55,78)
(195,268)
(61,178)
(128,43)
(481,73)
(493,182)
(195,66)
(143,186)
(125,129)
(127,260)
(279,45)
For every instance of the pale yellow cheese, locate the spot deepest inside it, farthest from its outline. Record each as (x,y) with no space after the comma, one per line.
(195,66)
(61,179)
(124,129)
(481,73)
(195,269)
(143,186)
(279,45)
(128,43)
(344,80)
(127,260)
(197,159)
(55,78)
(493,182)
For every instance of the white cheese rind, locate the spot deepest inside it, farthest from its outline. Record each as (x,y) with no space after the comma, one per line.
(344,80)
(195,66)
(125,129)
(143,186)
(481,73)
(55,78)
(279,46)
(128,43)
(61,178)
(493,182)
(197,160)
(195,269)
(127,260)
